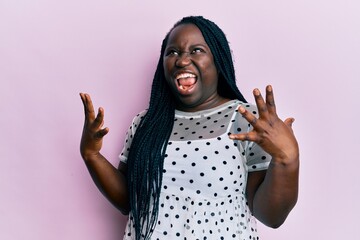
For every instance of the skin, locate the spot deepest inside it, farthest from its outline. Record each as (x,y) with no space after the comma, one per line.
(110,181)
(271,194)
(191,54)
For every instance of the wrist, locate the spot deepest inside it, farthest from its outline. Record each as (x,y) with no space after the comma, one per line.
(286,160)
(88,157)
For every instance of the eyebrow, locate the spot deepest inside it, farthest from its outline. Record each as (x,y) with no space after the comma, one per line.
(191,46)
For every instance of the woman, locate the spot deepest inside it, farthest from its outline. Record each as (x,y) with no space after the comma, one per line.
(200,163)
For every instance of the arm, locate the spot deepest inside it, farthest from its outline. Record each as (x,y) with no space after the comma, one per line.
(273,193)
(110,181)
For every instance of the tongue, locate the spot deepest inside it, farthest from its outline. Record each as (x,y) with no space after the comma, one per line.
(187,81)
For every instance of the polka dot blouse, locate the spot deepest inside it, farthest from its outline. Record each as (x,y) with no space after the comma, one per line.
(204,176)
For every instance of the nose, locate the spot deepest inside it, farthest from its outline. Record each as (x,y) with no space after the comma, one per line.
(183,59)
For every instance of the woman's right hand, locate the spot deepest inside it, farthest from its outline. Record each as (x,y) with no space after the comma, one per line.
(93,133)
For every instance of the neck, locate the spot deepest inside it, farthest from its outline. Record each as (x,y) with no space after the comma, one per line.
(211,102)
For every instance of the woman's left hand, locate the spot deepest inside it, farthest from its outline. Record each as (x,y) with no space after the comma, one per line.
(275,136)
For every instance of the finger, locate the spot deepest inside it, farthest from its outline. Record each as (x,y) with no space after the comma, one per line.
(84,101)
(270,100)
(248,116)
(102,133)
(82,96)
(99,120)
(289,122)
(260,103)
(250,136)
(89,108)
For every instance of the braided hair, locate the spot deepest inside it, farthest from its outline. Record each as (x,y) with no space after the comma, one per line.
(147,152)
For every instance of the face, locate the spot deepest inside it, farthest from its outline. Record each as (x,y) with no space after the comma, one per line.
(190,69)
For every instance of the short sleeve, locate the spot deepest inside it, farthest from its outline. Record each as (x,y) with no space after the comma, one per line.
(130,135)
(256,158)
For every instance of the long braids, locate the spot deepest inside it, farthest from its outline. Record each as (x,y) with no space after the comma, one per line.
(146,156)
(147,152)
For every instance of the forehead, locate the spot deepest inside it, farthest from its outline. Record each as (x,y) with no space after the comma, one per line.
(186,34)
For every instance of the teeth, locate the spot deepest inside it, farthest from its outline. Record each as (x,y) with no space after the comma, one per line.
(185,75)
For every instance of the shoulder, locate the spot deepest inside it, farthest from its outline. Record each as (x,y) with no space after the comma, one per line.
(136,122)
(137,119)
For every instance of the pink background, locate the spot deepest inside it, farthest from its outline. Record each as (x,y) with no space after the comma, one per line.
(52,50)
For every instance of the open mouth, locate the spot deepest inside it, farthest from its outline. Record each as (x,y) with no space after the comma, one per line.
(186,81)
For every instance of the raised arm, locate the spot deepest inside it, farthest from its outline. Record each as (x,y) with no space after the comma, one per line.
(110,181)
(273,193)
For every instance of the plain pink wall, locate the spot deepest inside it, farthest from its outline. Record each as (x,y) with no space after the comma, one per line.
(52,50)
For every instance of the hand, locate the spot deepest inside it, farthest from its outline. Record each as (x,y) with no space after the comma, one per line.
(93,133)
(273,135)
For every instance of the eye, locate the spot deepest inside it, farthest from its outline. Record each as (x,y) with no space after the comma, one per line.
(171,52)
(197,50)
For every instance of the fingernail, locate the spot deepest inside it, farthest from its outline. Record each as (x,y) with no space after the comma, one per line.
(256,92)
(269,88)
(241,109)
